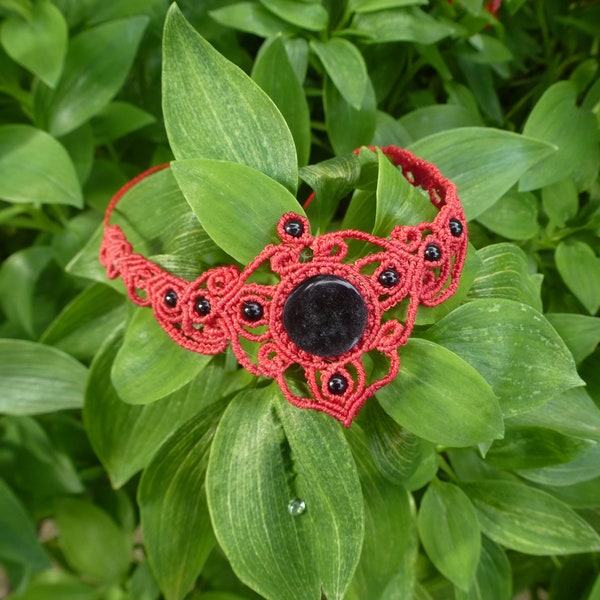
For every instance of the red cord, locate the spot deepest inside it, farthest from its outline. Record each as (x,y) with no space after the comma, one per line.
(418,264)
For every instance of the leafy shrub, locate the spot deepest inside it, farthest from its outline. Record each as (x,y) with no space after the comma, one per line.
(131,468)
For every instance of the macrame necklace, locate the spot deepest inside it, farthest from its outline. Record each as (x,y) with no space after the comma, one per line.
(323,320)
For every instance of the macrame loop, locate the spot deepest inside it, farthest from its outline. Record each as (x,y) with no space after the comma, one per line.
(324,322)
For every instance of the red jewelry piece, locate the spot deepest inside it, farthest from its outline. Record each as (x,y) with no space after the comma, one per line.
(319,324)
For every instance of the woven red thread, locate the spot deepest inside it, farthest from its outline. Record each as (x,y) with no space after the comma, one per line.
(210,313)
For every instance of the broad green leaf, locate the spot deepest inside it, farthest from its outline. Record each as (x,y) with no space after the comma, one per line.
(560,201)
(18,536)
(38,379)
(214,110)
(513,347)
(117,119)
(581,333)
(250,204)
(346,68)
(430,120)
(126,437)
(172,500)
(396,452)
(482,84)
(361,6)
(449,532)
(51,584)
(584,467)
(398,201)
(578,495)
(402,25)
(35,168)
(572,412)
(273,71)
(20,273)
(267,453)
(484,163)
(388,131)
(533,448)
(251,17)
(505,273)
(331,180)
(91,541)
(86,322)
(556,119)
(580,270)
(595,593)
(441,398)
(149,364)
(38,42)
(528,520)
(493,578)
(388,518)
(97,63)
(514,216)
(349,128)
(307,15)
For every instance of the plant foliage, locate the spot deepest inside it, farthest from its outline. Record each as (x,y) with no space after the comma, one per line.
(132,469)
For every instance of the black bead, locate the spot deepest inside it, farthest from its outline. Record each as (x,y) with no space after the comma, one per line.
(432,252)
(325,315)
(252,311)
(456,227)
(202,306)
(337,384)
(171,299)
(389,278)
(294,227)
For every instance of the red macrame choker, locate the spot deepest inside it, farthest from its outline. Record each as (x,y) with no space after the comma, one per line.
(320,326)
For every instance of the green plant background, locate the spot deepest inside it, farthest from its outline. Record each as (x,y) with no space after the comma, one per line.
(131,469)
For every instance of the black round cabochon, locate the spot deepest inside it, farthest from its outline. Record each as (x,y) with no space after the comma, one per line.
(325,315)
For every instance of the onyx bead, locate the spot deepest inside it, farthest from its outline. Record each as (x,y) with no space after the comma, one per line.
(294,227)
(202,306)
(337,384)
(389,278)
(252,311)
(432,252)
(171,299)
(325,315)
(456,227)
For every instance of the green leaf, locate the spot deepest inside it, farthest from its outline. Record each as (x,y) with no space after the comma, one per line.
(361,6)
(402,25)
(571,413)
(484,163)
(126,437)
(251,17)
(581,333)
(86,322)
(51,584)
(149,364)
(493,578)
(273,71)
(38,379)
(265,454)
(172,500)
(556,119)
(250,204)
(441,398)
(116,120)
(39,42)
(349,128)
(91,541)
(388,517)
(307,15)
(514,216)
(505,274)
(528,520)
(560,201)
(449,531)
(214,110)
(18,537)
(513,347)
(20,273)
(533,448)
(35,168)
(97,63)
(429,120)
(346,68)
(580,270)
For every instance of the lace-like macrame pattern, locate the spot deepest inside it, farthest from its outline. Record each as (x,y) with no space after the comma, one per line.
(271,326)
